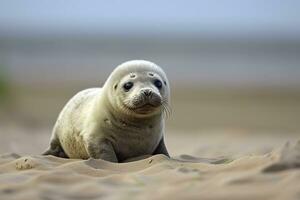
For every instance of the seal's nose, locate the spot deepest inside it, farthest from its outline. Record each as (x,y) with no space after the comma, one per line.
(147,93)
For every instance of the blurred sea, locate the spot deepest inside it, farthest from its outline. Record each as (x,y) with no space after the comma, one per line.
(196,61)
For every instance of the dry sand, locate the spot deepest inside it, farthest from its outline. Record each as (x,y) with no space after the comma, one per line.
(219,165)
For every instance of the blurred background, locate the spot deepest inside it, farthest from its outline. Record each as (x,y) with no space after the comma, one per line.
(234,66)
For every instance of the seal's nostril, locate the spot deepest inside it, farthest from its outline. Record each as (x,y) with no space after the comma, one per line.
(147,92)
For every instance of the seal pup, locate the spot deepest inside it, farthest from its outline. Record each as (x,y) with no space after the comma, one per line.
(121,120)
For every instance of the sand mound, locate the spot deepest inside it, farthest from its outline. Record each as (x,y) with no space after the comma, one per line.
(289,159)
(275,175)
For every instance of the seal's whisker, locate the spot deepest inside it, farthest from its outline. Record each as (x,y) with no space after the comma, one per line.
(167,110)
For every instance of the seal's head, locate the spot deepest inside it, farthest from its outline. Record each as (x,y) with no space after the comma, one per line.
(138,88)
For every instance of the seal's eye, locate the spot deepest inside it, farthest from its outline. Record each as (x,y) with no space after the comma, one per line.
(158,83)
(127,86)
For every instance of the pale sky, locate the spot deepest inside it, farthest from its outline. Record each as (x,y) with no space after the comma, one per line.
(281,17)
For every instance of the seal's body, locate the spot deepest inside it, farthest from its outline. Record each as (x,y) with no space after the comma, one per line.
(122,120)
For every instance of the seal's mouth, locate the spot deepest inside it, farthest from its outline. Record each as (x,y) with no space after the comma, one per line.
(146,108)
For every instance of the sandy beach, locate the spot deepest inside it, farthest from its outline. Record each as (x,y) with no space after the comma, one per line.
(220,165)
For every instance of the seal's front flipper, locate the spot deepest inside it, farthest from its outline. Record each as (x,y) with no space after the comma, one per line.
(55,152)
(102,150)
(161,148)
(55,149)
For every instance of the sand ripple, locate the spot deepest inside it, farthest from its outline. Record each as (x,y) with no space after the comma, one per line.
(275,175)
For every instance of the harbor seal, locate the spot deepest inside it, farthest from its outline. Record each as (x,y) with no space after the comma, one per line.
(121,120)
